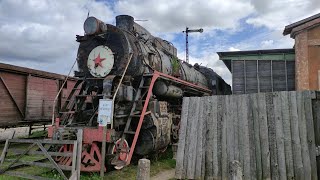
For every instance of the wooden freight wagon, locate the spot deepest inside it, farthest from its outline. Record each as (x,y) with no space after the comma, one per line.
(27,95)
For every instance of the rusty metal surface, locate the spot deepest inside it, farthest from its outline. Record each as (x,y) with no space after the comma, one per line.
(164,90)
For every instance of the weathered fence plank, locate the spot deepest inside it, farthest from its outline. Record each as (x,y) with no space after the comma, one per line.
(193,116)
(219,134)
(230,130)
(215,153)
(271,135)
(224,145)
(264,141)
(303,138)
(296,146)
(241,132)
(256,131)
(316,117)
(310,133)
(205,117)
(182,139)
(236,115)
(187,139)
(245,148)
(279,136)
(255,158)
(209,135)
(199,146)
(287,134)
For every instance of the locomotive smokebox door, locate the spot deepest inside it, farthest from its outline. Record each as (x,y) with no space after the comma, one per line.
(100,61)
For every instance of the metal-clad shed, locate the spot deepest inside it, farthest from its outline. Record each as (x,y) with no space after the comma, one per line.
(261,70)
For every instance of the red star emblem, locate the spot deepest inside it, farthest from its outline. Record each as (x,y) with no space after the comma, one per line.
(98,60)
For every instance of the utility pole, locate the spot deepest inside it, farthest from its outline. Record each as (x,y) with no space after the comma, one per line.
(187,31)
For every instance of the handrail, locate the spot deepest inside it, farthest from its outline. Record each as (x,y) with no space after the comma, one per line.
(103,150)
(55,99)
(116,91)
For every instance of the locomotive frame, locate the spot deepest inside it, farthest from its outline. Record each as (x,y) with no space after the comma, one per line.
(93,135)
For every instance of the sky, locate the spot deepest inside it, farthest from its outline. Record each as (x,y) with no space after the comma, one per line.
(41,34)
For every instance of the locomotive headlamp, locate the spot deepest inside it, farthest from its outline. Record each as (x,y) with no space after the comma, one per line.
(93,25)
(100,61)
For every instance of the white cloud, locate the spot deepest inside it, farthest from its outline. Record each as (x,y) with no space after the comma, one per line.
(267,43)
(174,16)
(42,33)
(233,49)
(211,60)
(275,14)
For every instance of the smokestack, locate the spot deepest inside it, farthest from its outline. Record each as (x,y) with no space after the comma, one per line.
(125,22)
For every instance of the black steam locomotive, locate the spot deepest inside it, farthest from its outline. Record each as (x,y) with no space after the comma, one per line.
(145,82)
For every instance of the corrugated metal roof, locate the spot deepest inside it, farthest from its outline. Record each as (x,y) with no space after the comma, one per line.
(288,28)
(260,51)
(265,54)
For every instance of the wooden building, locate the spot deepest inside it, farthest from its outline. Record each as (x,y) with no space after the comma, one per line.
(261,70)
(307,51)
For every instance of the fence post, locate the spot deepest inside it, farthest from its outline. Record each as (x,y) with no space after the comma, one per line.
(143,169)
(235,170)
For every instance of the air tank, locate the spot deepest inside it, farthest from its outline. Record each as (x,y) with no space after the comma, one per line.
(164,90)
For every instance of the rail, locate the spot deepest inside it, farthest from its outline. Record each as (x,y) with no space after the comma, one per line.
(55,99)
(105,127)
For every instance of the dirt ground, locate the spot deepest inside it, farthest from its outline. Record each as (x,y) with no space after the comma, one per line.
(164,175)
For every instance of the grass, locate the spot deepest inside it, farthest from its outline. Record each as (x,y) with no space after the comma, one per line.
(159,163)
(38,134)
(27,169)
(162,162)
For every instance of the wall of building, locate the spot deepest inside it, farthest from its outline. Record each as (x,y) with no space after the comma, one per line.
(307,48)
(253,76)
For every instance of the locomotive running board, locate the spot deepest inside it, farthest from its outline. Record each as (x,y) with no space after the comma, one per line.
(155,75)
(48,155)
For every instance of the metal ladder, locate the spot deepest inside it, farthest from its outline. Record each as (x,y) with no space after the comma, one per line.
(70,103)
(145,97)
(75,101)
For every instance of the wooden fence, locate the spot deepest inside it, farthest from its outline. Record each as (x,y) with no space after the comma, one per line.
(272,135)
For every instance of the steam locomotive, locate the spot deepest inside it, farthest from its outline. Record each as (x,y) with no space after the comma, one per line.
(145,82)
